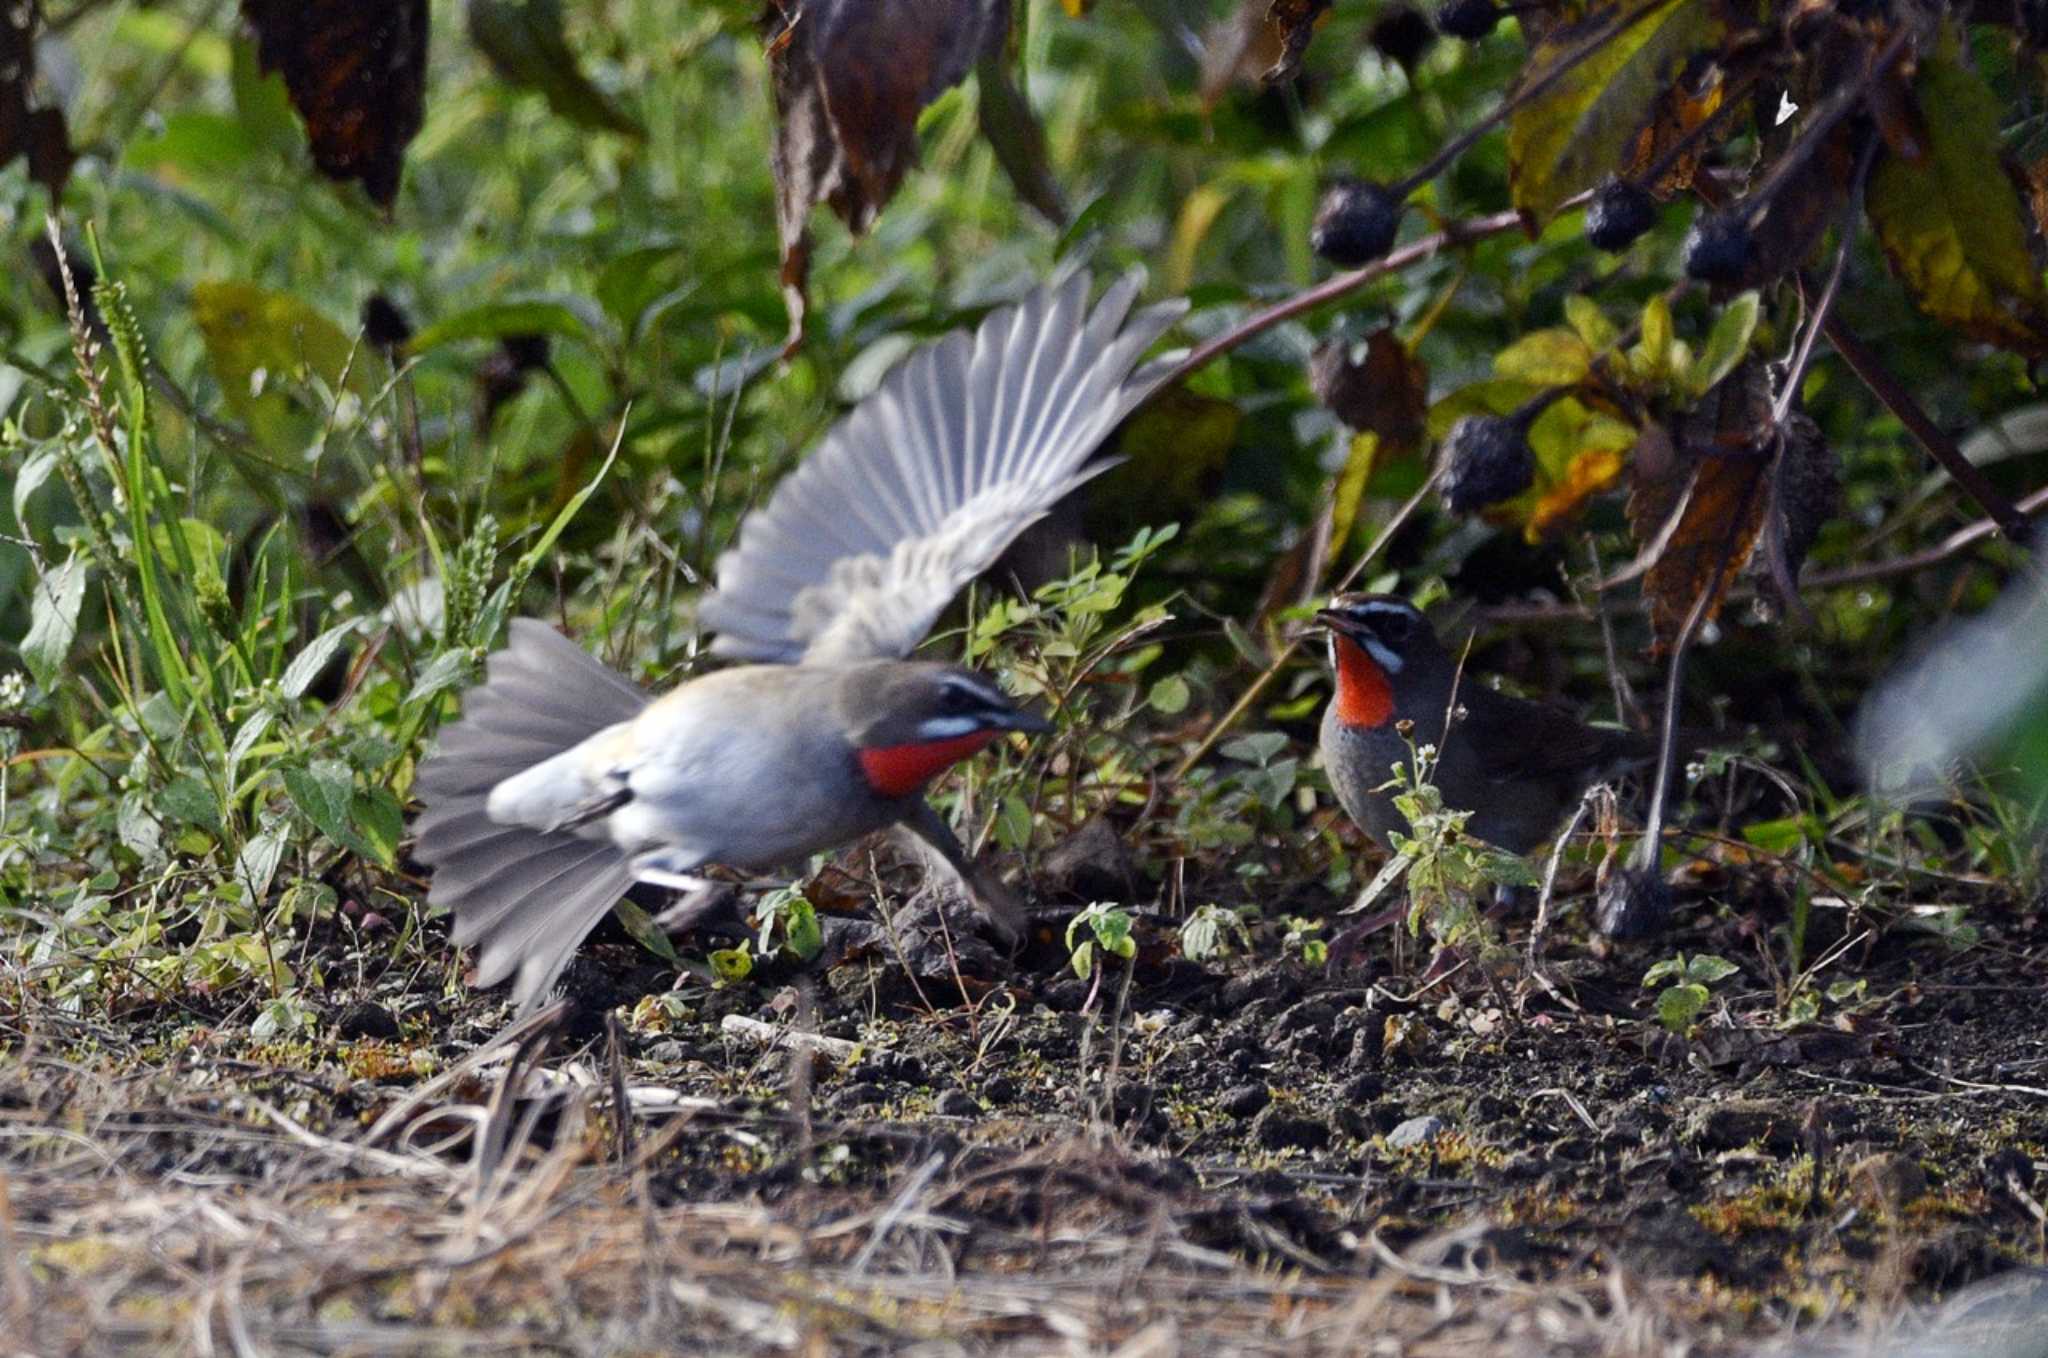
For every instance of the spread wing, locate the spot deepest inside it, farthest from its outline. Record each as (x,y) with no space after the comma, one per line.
(923,486)
(1519,741)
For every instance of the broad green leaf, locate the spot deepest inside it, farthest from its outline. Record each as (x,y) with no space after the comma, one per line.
(496,320)
(191,801)
(1575,134)
(192,145)
(1726,346)
(323,791)
(1651,357)
(524,42)
(1170,695)
(1706,969)
(307,664)
(1545,358)
(53,619)
(259,343)
(1680,1005)
(1950,221)
(379,821)
(1590,322)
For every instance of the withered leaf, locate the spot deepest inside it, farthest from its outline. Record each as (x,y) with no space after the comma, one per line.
(1296,21)
(1698,522)
(356,71)
(38,133)
(1685,106)
(1384,390)
(850,78)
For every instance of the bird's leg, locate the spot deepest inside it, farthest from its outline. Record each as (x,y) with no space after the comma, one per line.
(997,903)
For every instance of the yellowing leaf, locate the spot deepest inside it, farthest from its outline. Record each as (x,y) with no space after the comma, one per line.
(1590,322)
(261,344)
(1574,134)
(1546,358)
(1197,214)
(1950,221)
(1651,358)
(1592,471)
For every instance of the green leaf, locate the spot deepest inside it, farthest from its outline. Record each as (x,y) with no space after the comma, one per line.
(1569,138)
(1083,960)
(324,791)
(1256,748)
(1680,1005)
(1015,136)
(1706,969)
(1950,221)
(1170,695)
(259,343)
(380,822)
(53,619)
(732,965)
(524,42)
(307,664)
(1665,970)
(1590,322)
(191,801)
(496,320)
(1727,345)
(649,935)
(801,933)
(1545,358)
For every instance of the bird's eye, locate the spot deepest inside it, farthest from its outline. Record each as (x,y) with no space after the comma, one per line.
(956,700)
(1392,627)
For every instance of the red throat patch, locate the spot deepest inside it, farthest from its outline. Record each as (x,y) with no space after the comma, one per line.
(1364,696)
(901,770)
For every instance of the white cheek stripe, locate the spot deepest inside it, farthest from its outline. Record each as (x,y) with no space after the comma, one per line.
(946,728)
(1388,661)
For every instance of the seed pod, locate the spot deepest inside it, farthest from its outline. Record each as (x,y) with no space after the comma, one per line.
(1467,19)
(1487,459)
(1718,247)
(1619,214)
(1356,223)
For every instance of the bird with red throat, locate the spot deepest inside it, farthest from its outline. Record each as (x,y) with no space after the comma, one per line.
(563,783)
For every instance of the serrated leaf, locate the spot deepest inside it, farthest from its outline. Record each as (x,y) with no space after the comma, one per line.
(53,619)
(35,470)
(1545,358)
(1569,138)
(323,792)
(1950,221)
(380,821)
(524,42)
(308,663)
(1726,345)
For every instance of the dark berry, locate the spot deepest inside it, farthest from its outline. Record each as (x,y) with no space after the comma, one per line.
(1619,213)
(1717,249)
(1355,223)
(1402,35)
(1634,903)
(383,323)
(1467,19)
(527,352)
(1486,460)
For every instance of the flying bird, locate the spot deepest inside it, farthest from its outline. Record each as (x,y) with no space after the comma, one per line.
(564,783)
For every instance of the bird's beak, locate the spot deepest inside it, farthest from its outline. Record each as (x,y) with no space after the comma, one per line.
(1019,719)
(1336,622)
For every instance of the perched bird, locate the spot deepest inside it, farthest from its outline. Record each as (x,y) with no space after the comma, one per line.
(1517,766)
(563,783)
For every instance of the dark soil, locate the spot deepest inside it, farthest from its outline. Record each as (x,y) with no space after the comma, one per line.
(1259,1143)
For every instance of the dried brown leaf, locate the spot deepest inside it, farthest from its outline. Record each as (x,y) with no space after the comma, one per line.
(356,71)
(850,78)
(1700,520)
(37,133)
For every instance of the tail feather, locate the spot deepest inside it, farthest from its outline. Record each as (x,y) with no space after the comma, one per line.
(525,898)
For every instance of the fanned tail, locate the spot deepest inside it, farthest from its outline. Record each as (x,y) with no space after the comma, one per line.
(524,898)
